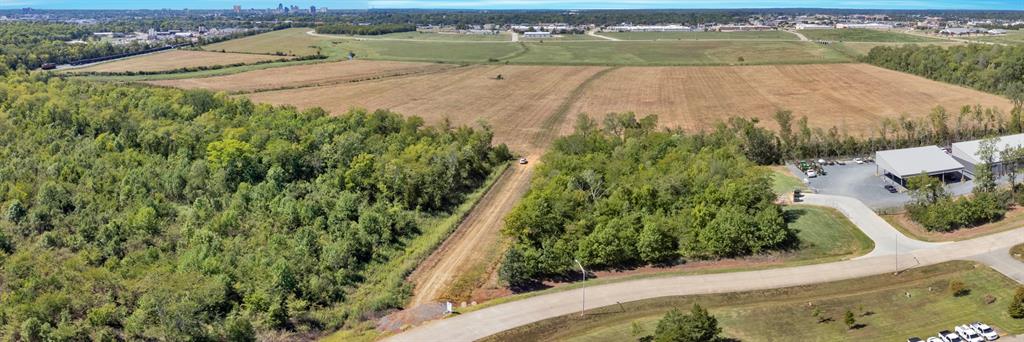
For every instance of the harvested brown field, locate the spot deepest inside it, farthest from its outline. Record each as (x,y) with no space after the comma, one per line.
(534,103)
(852,97)
(306,75)
(174,59)
(519,108)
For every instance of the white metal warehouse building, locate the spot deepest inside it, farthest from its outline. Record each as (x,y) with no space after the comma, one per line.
(908,162)
(967,152)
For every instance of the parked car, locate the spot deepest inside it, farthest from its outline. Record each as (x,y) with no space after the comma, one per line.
(985,331)
(811,174)
(858,160)
(949,336)
(968,334)
(821,162)
(915,339)
(522,161)
(891,189)
(934,339)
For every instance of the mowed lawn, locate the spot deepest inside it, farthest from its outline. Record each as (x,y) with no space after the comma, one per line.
(442,36)
(880,303)
(643,53)
(1011,37)
(865,35)
(756,35)
(290,42)
(427,51)
(825,233)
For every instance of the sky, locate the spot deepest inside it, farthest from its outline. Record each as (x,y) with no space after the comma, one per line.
(520,4)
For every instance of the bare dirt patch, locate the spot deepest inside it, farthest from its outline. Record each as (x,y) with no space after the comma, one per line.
(516,106)
(309,75)
(466,258)
(852,97)
(175,59)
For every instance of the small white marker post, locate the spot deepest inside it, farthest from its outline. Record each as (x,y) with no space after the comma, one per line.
(584,286)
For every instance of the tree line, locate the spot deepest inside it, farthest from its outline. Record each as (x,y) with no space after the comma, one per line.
(30,45)
(368,30)
(624,194)
(991,68)
(145,213)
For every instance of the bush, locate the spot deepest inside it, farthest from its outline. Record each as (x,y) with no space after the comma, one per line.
(1016,309)
(958,288)
(697,326)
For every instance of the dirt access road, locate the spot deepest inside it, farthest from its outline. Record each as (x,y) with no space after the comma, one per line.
(478,235)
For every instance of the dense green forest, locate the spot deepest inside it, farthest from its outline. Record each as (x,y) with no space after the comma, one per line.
(993,68)
(364,29)
(145,213)
(626,194)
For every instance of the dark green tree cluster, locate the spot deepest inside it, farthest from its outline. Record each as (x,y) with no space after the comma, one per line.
(627,194)
(697,326)
(373,30)
(934,209)
(30,45)
(992,68)
(157,214)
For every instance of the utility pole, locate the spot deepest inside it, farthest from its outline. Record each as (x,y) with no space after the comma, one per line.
(584,308)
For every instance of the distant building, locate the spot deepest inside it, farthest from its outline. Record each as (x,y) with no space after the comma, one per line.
(537,35)
(312,9)
(803,26)
(649,28)
(742,28)
(996,32)
(957,31)
(238,9)
(870,26)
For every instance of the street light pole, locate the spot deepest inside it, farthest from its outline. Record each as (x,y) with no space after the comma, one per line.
(584,286)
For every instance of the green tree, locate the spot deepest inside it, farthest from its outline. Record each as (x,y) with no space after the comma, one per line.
(926,190)
(697,326)
(984,179)
(1016,308)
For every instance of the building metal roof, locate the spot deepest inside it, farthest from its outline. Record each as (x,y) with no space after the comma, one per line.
(908,162)
(968,150)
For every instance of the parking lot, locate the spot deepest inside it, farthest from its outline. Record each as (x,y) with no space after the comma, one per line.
(859,181)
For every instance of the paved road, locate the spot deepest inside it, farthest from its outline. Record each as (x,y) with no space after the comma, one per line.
(887,239)
(593,33)
(489,321)
(798,34)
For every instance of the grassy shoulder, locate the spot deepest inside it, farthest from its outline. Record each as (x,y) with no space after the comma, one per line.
(881,304)
(1017,252)
(382,283)
(864,35)
(784,182)
(678,52)
(902,222)
(825,235)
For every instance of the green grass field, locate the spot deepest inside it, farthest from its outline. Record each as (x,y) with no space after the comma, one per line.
(864,35)
(825,234)
(642,53)
(442,36)
(1011,37)
(435,51)
(786,314)
(293,41)
(784,182)
(756,35)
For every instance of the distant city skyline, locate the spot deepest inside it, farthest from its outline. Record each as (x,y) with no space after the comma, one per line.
(521,4)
